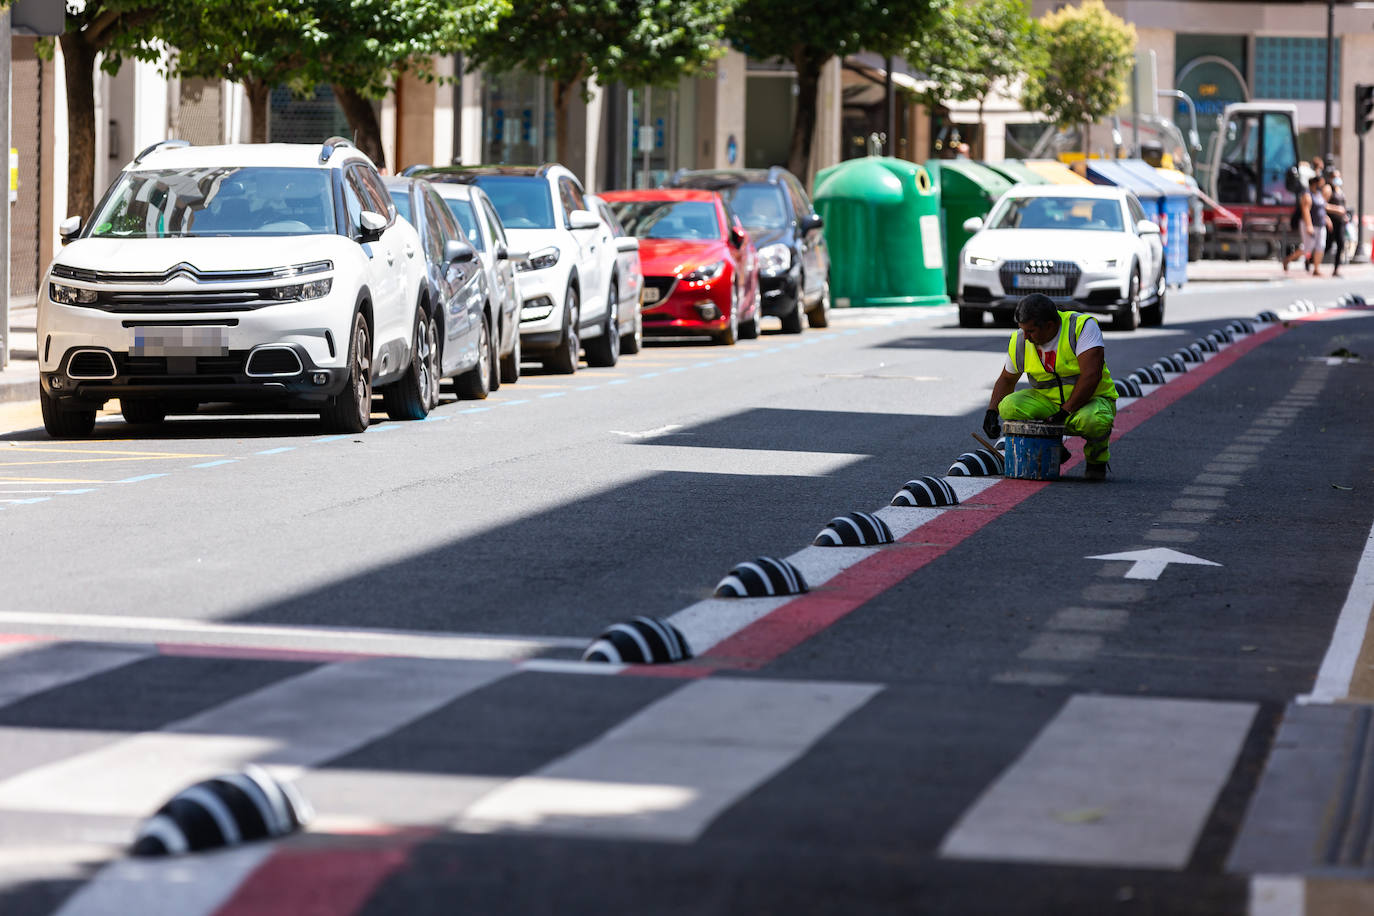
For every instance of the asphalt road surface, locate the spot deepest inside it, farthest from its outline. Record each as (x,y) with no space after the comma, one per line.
(985,717)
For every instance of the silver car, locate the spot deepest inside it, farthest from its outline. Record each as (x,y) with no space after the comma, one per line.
(630,277)
(477,218)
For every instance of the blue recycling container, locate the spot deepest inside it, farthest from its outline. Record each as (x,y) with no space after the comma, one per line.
(1167,206)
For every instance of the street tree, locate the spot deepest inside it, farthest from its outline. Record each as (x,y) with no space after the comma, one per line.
(356,46)
(1088,57)
(110,30)
(808,33)
(973,48)
(636,42)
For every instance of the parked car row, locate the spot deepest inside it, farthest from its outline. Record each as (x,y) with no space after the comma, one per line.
(295,277)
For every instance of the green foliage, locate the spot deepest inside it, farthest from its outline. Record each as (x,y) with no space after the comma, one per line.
(638,42)
(971,48)
(1088,56)
(821,29)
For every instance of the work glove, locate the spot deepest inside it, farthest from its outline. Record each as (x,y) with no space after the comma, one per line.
(1059,416)
(992,424)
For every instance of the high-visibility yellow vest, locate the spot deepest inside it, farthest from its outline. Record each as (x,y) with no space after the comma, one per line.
(1059,383)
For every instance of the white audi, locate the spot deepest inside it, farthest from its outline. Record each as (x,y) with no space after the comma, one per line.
(272,274)
(1089,247)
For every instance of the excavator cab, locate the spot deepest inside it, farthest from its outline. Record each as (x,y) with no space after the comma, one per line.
(1253,150)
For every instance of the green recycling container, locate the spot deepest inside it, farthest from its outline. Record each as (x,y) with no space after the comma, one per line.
(1016,171)
(966,189)
(882,226)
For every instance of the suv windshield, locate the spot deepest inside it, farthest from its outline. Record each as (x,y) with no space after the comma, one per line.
(522,203)
(1092,213)
(760,206)
(667,219)
(225,201)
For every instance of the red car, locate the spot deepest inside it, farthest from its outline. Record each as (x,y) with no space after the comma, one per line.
(701,271)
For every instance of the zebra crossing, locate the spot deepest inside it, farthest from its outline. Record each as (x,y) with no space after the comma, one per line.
(377,745)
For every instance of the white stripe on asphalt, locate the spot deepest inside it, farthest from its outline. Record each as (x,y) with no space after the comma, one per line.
(748,461)
(296,723)
(819,565)
(410,643)
(1122,781)
(1338,667)
(671,769)
(178,886)
(35,667)
(1277,895)
(711,621)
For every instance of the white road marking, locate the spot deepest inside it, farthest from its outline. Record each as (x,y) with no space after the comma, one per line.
(1277,895)
(671,769)
(290,725)
(30,668)
(411,643)
(1338,665)
(819,565)
(709,622)
(1121,781)
(648,433)
(181,886)
(746,461)
(1149,563)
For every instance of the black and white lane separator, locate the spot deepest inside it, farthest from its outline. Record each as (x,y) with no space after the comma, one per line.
(225,811)
(639,641)
(857,529)
(762,577)
(926,492)
(980,462)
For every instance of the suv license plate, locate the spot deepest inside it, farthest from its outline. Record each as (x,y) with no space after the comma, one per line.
(651,294)
(1039,281)
(196,340)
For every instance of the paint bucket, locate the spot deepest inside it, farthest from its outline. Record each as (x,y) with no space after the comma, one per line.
(1032,449)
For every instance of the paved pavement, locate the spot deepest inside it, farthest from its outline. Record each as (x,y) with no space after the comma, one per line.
(985,717)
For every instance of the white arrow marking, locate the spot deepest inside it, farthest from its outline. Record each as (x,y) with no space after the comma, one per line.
(1148,564)
(648,433)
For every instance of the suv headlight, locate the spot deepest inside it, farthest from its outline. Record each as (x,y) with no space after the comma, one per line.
(706,273)
(775,259)
(315,289)
(542,259)
(1100,263)
(71,295)
(974,260)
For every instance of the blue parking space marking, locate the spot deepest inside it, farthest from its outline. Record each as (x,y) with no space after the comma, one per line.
(26,502)
(649,375)
(383,428)
(511,403)
(331,439)
(141,478)
(554,394)
(215,464)
(278,451)
(619,381)
(474,410)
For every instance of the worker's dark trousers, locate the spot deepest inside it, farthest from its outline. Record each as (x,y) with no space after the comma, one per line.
(1093,421)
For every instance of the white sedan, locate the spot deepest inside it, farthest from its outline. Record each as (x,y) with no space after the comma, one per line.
(1088,247)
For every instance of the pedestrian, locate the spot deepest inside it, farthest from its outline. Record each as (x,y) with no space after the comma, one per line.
(1314,223)
(1066,359)
(1339,214)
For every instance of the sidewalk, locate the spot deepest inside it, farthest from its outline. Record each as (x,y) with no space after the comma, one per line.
(19,380)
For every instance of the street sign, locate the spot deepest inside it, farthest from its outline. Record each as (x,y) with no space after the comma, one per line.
(1148,564)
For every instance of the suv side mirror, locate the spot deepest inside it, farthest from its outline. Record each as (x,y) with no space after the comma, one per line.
(1147,227)
(626,243)
(973,224)
(583,219)
(737,237)
(373,223)
(505,254)
(457,250)
(811,222)
(68,228)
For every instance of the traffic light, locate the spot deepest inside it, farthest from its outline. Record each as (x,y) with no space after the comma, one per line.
(1364,107)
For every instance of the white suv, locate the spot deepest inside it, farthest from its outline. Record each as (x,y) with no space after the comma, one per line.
(271,274)
(565,301)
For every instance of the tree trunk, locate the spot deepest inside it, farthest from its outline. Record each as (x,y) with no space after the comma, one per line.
(78,65)
(562,114)
(259,109)
(808,63)
(981,150)
(367,132)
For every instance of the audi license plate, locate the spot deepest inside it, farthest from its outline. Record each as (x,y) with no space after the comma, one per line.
(651,294)
(1039,281)
(196,340)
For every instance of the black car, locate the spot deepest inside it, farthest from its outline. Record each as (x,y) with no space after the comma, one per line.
(458,339)
(794,264)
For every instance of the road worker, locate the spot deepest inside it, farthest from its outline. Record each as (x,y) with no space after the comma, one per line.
(1064,355)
